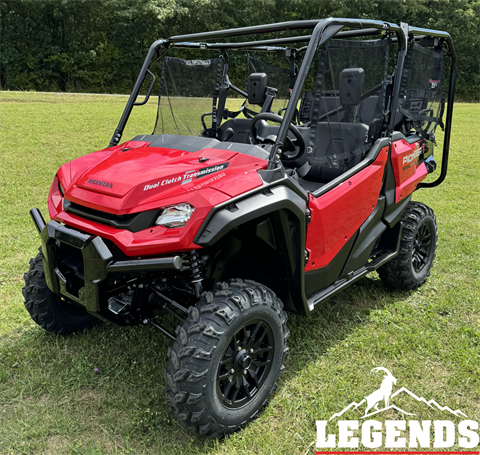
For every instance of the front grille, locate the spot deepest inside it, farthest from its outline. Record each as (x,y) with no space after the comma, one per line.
(131,222)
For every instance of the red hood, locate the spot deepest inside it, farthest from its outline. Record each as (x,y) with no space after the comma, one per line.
(120,182)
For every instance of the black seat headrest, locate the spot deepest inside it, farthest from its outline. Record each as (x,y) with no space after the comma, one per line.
(351,86)
(256,87)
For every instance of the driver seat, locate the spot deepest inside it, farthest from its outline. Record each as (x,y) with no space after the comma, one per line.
(240,128)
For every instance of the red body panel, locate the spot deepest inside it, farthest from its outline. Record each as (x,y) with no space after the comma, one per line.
(408,173)
(338,214)
(145,178)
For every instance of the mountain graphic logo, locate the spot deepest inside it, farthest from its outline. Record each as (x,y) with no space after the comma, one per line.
(384,394)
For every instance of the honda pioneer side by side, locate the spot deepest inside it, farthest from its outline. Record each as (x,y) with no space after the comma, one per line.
(279,171)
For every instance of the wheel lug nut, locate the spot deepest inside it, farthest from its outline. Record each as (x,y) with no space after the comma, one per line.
(244,371)
(239,348)
(232,371)
(251,351)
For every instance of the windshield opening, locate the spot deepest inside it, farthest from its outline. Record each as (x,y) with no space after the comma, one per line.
(193,89)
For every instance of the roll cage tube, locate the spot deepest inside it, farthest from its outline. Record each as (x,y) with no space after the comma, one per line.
(323,30)
(320,36)
(415,31)
(117,135)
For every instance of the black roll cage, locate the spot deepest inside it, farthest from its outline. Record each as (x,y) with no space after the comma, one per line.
(323,31)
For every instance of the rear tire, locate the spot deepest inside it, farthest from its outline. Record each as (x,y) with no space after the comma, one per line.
(418,246)
(48,310)
(227,357)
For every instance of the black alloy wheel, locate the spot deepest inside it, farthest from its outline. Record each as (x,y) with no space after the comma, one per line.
(227,357)
(418,244)
(421,248)
(245,364)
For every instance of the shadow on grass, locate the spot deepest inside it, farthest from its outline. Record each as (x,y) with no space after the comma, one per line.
(127,392)
(333,320)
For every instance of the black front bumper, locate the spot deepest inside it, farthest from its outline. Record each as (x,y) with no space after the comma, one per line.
(97,262)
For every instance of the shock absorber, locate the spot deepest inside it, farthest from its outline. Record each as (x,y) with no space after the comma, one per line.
(195,268)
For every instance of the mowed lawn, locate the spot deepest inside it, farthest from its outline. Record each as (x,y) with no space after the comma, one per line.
(52,401)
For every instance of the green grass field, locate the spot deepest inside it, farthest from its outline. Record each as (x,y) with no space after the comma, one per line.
(52,402)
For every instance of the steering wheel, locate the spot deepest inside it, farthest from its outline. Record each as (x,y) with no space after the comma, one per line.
(277,118)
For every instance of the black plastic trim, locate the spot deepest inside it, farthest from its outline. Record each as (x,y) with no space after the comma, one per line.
(369,232)
(134,222)
(342,283)
(274,198)
(240,212)
(393,211)
(320,278)
(97,261)
(272,178)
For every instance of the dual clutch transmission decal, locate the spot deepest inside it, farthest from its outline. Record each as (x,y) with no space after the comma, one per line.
(188,176)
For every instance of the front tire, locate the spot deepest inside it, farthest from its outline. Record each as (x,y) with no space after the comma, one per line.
(418,246)
(227,357)
(48,310)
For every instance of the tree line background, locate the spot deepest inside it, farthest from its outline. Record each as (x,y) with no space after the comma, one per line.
(98,46)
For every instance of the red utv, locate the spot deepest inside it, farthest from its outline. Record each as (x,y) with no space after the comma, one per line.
(250,199)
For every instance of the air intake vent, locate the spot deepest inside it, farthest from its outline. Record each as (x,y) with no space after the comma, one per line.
(131,222)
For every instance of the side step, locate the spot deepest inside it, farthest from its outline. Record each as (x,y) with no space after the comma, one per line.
(346,281)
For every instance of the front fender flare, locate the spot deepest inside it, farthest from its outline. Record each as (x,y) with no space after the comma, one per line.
(273,200)
(233,214)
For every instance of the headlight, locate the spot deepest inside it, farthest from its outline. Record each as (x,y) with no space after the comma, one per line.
(175,216)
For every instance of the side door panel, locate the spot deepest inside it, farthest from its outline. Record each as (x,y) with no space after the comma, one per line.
(337,215)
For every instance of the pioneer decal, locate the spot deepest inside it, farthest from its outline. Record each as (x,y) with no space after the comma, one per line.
(416,153)
(188,176)
(100,183)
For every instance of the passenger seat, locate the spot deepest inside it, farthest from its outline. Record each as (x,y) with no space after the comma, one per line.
(335,147)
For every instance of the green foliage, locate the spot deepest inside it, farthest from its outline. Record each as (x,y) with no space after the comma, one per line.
(99,46)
